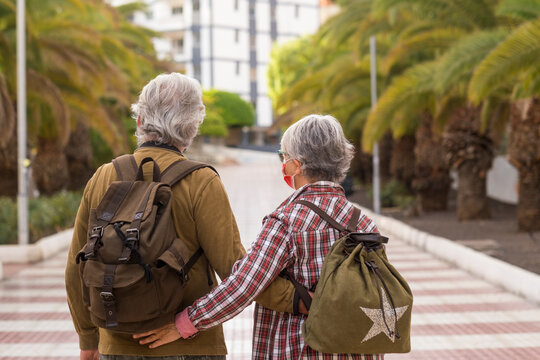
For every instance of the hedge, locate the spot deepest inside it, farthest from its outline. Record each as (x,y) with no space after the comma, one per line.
(47,215)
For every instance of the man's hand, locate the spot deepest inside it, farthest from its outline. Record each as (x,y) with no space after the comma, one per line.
(302,307)
(157,337)
(89,354)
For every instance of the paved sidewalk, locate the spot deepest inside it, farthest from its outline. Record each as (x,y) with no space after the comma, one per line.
(455,315)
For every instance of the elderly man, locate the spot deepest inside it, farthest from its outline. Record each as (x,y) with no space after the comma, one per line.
(169,112)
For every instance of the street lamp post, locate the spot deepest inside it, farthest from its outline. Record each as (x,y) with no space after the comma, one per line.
(23,162)
(376,173)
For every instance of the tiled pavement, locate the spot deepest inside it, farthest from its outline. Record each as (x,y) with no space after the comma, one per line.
(455,315)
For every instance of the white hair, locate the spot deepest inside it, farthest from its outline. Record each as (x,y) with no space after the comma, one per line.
(318,143)
(171,109)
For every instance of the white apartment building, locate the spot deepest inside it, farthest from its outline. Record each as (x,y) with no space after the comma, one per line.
(226,44)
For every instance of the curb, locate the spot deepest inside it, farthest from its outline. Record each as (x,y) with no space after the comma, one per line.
(510,277)
(42,249)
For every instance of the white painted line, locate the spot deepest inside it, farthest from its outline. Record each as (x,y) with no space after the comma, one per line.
(22,293)
(33,281)
(449,284)
(410,275)
(34,307)
(39,350)
(466,299)
(419,265)
(471,317)
(36,325)
(419,256)
(42,271)
(472,341)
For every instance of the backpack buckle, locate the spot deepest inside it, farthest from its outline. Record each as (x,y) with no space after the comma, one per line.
(132,234)
(97,231)
(107,297)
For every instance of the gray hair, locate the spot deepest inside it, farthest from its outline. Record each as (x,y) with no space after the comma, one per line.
(171,109)
(318,143)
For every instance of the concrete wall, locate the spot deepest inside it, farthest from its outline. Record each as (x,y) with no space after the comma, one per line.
(502,181)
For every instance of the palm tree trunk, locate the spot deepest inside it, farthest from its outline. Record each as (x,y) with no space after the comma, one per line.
(431,177)
(470,152)
(79,156)
(402,163)
(386,145)
(50,169)
(8,167)
(524,152)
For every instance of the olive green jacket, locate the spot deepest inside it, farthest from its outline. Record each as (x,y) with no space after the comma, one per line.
(203,217)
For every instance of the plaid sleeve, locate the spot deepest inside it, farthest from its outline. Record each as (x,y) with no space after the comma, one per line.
(367,225)
(251,275)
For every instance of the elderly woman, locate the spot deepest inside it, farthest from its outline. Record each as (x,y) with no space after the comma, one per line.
(315,157)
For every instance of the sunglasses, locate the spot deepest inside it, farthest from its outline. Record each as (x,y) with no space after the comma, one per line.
(282,155)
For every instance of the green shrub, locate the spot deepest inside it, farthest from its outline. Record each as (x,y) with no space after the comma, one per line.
(234,110)
(393,194)
(47,215)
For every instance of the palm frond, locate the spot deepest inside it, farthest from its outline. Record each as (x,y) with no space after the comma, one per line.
(423,43)
(44,89)
(516,55)
(407,95)
(522,10)
(459,62)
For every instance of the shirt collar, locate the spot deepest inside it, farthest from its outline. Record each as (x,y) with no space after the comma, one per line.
(160,145)
(317,188)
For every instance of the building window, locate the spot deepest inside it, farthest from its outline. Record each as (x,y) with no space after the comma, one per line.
(150,15)
(236,35)
(253,73)
(238,68)
(178,45)
(196,5)
(235,4)
(177,10)
(197,72)
(297,11)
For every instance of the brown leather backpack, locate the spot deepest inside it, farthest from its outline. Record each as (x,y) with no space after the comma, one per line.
(133,266)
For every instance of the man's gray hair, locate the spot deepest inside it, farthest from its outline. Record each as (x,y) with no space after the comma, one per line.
(171,109)
(318,143)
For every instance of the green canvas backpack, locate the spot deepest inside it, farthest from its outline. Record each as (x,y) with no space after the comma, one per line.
(361,305)
(133,266)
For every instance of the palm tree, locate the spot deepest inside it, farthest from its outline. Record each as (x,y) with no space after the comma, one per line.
(441,35)
(512,69)
(84,65)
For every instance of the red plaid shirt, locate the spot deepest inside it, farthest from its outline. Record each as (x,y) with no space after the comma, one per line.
(293,237)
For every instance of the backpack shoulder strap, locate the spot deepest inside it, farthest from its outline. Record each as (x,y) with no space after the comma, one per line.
(126,167)
(180,169)
(324,215)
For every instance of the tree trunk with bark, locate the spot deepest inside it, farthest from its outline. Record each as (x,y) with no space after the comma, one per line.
(79,157)
(403,160)
(471,153)
(50,168)
(362,165)
(431,174)
(8,167)
(524,152)
(386,144)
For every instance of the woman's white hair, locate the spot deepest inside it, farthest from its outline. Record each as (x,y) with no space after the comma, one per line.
(318,143)
(171,109)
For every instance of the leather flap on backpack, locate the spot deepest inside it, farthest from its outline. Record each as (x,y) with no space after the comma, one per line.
(125,274)
(175,256)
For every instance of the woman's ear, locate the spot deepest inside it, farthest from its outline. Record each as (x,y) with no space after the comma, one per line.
(139,121)
(298,170)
